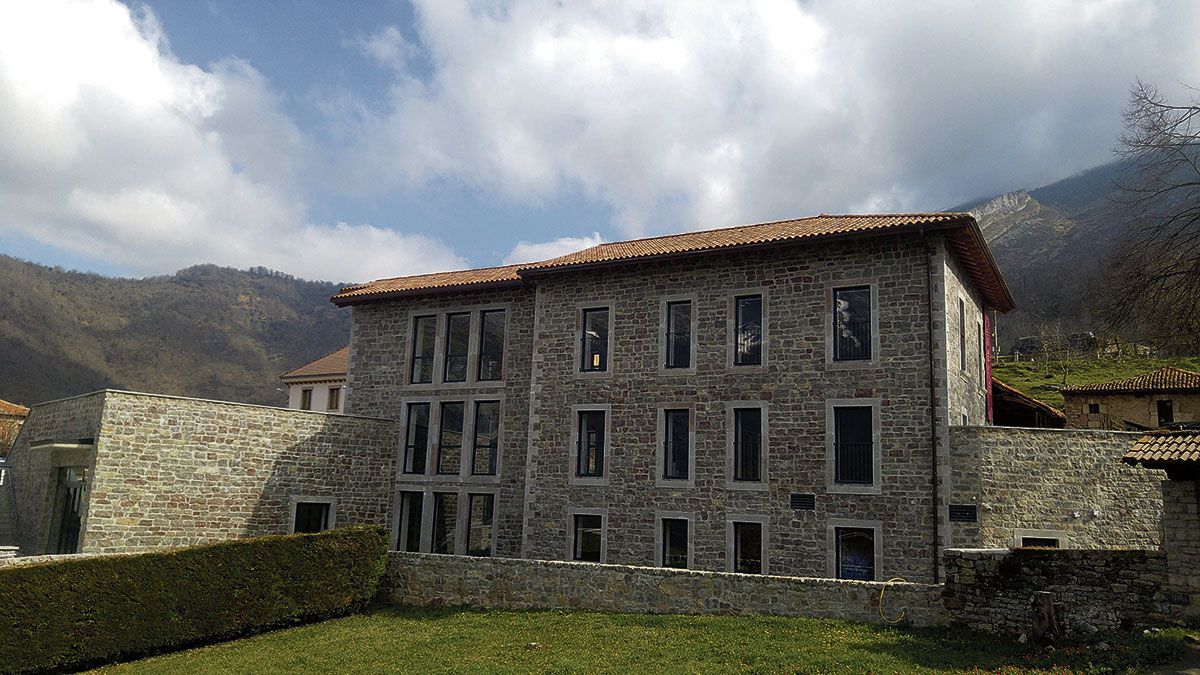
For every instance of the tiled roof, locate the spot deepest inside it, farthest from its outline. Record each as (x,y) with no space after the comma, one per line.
(1169,447)
(1014,393)
(960,228)
(334,364)
(7,408)
(1163,379)
(487,276)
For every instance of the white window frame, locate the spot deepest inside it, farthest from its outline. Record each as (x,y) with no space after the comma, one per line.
(659,517)
(873,284)
(764,522)
(831,484)
(831,528)
(296,500)
(760,485)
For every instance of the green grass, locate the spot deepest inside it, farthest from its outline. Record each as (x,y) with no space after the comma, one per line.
(1042,379)
(423,641)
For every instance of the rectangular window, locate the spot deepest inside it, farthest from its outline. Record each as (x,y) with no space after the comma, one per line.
(853,437)
(852,324)
(855,553)
(306,399)
(675,444)
(445,521)
(589,538)
(748,318)
(1166,413)
(487,438)
(1039,542)
(590,452)
(679,334)
(962,334)
(747,548)
(411,504)
(594,340)
(482,516)
(450,438)
(335,398)
(747,444)
(424,335)
(675,543)
(1093,408)
(458,344)
(491,345)
(982,355)
(311,517)
(416,438)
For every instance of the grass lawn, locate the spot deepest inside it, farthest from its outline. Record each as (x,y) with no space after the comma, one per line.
(411,640)
(1042,379)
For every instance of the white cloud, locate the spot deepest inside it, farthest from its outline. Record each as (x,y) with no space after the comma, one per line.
(112,148)
(525,251)
(690,115)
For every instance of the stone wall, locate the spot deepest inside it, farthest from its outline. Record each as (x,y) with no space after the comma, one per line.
(499,583)
(1181,539)
(1052,482)
(168,471)
(1115,409)
(995,590)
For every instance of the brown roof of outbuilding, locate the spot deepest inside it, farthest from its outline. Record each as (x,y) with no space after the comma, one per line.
(1164,379)
(7,408)
(333,364)
(1170,447)
(961,231)
(1016,394)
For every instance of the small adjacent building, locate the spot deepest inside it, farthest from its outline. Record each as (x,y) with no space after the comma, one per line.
(1012,407)
(1161,399)
(320,385)
(11,418)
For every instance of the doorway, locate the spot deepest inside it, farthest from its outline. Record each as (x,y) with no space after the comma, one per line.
(69,506)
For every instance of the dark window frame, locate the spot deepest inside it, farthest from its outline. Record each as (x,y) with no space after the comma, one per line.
(1093,408)
(589,346)
(741,445)
(492,448)
(455,361)
(849,472)
(325,517)
(856,327)
(853,530)
(962,335)
(1169,406)
(584,447)
(487,357)
(334,398)
(675,335)
(442,445)
(306,398)
(489,511)
(410,448)
(752,356)
(412,543)
(673,446)
(447,542)
(736,553)
(578,527)
(422,358)
(669,540)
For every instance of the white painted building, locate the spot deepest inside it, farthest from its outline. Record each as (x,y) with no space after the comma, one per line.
(320,385)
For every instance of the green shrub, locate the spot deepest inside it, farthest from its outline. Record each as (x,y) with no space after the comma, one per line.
(75,612)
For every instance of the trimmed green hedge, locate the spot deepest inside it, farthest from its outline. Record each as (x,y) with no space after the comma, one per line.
(76,612)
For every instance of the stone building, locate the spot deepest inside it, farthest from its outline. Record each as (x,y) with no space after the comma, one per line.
(1012,407)
(767,398)
(1163,398)
(11,418)
(319,385)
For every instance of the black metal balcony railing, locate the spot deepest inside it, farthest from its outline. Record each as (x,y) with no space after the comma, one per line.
(855,465)
(852,340)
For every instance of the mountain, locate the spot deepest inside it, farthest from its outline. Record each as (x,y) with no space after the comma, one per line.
(1051,244)
(206,331)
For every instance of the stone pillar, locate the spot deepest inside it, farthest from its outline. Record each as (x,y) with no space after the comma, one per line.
(1181,540)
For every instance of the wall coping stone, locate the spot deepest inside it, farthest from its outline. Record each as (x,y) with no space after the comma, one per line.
(143,394)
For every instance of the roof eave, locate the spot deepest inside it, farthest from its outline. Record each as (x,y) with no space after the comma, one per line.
(365,298)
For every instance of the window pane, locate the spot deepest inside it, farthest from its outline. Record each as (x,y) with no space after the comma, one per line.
(595,340)
(424,335)
(487,438)
(591,443)
(853,435)
(1166,413)
(588,538)
(306,399)
(445,521)
(962,334)
(747,444)
(491,345)
(458,342)
(311,517)
(411,504)
(1039,542)
(852,324)
(855,553)
(675,543)
(747,548)
(335,396)
(748,347)
(479,529)
(450,440)
(416,444)
(679,334)
(675,444)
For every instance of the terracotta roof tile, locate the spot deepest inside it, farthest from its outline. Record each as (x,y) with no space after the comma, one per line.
(1163,379)
(7,408)
(333,364)
(961,230)
(1170,447)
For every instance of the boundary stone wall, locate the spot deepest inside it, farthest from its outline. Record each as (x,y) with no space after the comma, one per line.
(429,580)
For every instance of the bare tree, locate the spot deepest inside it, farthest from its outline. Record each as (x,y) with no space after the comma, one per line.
(1155,272)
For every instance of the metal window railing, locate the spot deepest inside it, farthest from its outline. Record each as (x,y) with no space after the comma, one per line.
(855,463)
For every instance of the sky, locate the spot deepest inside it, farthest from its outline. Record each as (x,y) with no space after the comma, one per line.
(354,140)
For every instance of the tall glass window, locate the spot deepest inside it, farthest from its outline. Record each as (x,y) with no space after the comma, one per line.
(590,451)
(588,538)
(411,504)
(749,333)
(487,438)
(747,444)
(675,444)
(855,551)
(852,324)
(491,345)
(450,438)
(416,438)
(445,521)
(458,345)
(747,548)
(679,334)
(424,336)
(594,340)
(853,440)
(481,517)
(675,543)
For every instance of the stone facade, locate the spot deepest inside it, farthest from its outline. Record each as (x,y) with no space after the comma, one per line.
(502,583)
(1181,539)
(1117,409)
(166,471)
(1052,483)
(1095,590)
